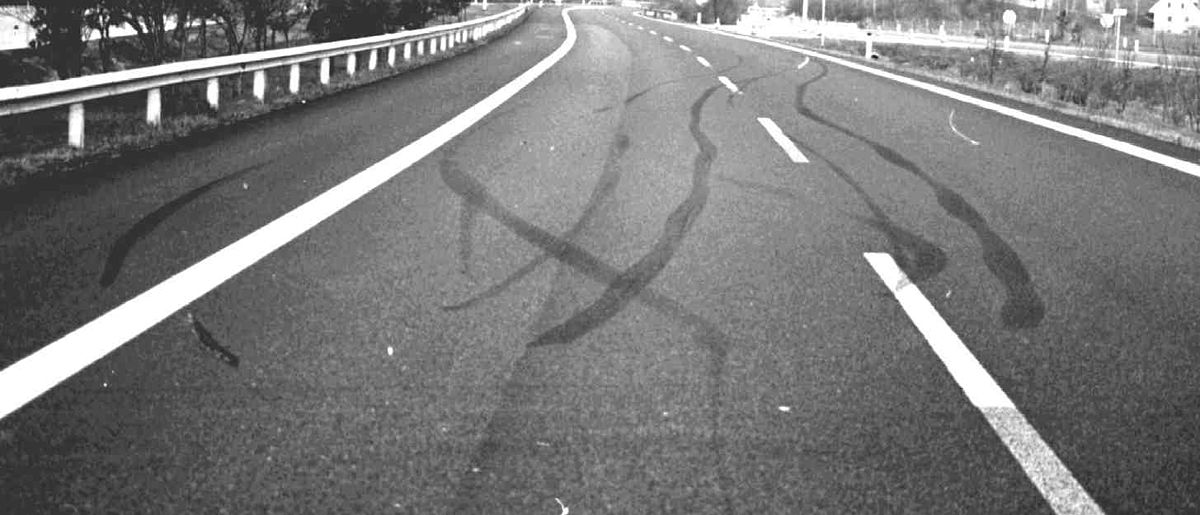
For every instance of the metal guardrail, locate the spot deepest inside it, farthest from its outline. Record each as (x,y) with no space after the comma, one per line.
(74,92)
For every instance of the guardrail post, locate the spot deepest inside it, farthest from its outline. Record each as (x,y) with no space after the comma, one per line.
(154,106)
(324,70)
(260,85)
(351,63)
(373,60)
(391,56)
(214,93)
(294,79)
(75,125)
(867,53)
(407,51)
(1137,45)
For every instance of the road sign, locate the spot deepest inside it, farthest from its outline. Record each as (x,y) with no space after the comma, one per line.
(1010,17)
(1120,12)
(1106,20)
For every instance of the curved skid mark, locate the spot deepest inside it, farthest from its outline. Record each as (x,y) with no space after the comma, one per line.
(1023,308)
(609,179)
(630,283)
(120,249)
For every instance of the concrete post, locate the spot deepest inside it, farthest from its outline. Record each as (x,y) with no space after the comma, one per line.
(324,70)
(351,63)
(1137,46)
(867,53)
(373,59)
(1006,41)
(1047,35)
(407,51)
(214,93)
(260,85)
(391,56)
(421,47)
(75,125)
(154,106)
(294,79)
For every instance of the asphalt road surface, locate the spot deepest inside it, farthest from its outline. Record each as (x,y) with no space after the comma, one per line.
(619,292)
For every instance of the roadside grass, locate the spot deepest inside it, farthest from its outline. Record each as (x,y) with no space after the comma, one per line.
(33,145)
(1161,102)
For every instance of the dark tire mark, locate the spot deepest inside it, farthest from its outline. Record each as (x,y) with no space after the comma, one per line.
(466,220)
(120,249)
(1023,308)
(210,343)
(630,283)
(610,176)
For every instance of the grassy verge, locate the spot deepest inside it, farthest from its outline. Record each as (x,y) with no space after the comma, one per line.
(32,145)
(1162,103)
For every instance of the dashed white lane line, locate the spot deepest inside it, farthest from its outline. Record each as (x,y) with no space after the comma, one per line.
(685,48)
(727,83)
(1051,477)
(668,39)
(37,373)
(703,62)
(781,139)
(639,27)
(653,33)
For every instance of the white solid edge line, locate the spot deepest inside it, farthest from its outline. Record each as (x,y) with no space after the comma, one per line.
(1043,467)
(37,373)
(1130,149)
(781,139)
(703,62)
(685,48)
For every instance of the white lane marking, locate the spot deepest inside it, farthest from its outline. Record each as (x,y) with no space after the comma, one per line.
(803,64)
(639,27)
(565,509)
(1051,477)
(685,48)
(32,376)
(652,33)
(728,84)
(955,129)
(668,39)
(1129,149)
(703,62)
(781,139)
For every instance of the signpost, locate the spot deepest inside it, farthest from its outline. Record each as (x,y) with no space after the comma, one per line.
(1010,18)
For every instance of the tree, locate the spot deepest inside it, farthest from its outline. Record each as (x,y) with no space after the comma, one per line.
(59,25)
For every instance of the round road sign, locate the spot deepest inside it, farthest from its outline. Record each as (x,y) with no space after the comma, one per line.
(1010,17)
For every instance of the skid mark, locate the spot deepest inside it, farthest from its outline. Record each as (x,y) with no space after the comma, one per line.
(632,281)
(1023,307)
(210,343)
(120,249)
(609,178)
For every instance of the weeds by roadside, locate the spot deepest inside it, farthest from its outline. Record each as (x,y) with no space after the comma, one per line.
(1162,101)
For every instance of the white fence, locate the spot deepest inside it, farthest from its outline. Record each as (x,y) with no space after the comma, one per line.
(73,93)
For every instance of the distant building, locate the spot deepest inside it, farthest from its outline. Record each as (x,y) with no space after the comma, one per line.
(1176,16)
(15,31)
(1030,4)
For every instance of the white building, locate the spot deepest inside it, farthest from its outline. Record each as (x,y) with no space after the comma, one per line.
(15,31)
(1175,15)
